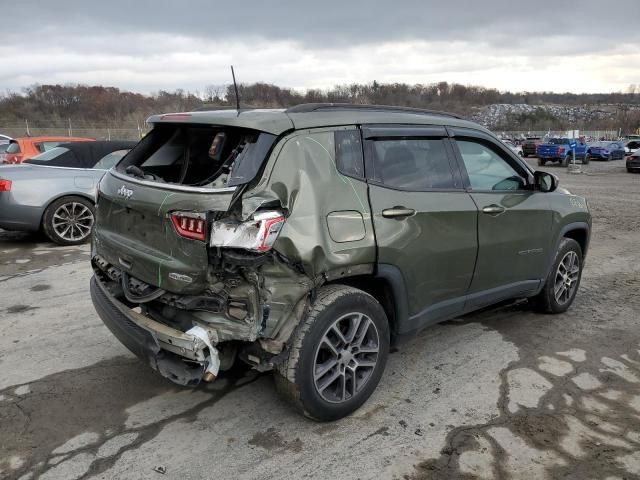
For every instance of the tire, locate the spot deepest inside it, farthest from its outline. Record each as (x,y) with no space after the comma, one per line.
(336,306)
(565,161)
(547,301)
(542,162)
(525,155)
(54,220)
(586,159)
(609,157)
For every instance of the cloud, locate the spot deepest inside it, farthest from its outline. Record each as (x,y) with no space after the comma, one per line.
(151,45)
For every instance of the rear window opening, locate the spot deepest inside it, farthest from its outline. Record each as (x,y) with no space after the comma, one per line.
(198,156)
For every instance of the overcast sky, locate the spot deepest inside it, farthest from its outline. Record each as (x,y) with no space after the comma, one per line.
(148,45)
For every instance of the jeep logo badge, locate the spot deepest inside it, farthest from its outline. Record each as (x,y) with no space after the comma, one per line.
(125,192)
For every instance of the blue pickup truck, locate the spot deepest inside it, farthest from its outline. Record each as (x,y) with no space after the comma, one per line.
(559,150)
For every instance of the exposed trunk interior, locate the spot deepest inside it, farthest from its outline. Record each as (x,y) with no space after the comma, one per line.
(198,155)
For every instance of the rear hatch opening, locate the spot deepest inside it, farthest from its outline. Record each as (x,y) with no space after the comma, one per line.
(200,156)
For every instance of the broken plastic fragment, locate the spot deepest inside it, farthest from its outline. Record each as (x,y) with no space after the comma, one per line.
(213,360)
(257,234)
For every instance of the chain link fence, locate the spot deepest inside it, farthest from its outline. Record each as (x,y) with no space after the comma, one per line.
(97,133)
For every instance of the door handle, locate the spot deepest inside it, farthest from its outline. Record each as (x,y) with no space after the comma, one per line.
(493,209)
(398,212)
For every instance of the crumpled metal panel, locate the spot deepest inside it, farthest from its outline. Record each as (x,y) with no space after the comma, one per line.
(301,176)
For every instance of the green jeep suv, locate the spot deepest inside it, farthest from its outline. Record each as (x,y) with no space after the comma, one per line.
(307,240)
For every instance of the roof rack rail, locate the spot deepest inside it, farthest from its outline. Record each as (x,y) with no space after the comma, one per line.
(314,107)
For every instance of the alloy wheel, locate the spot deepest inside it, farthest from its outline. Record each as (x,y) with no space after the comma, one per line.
(346,357)
(73,221)
(566,280)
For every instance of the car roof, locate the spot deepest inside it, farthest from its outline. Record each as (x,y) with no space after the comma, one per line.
(53,138)
(278,121)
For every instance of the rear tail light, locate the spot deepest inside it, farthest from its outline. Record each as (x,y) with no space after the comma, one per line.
(559,150)
(258,234)
(190,225)
(5,185)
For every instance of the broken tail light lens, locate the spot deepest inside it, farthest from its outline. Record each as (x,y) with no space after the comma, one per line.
(258,234)
(5,185)
(190,225)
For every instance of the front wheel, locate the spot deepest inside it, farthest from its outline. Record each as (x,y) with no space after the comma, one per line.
(69,220)
(563,281)
(337,355)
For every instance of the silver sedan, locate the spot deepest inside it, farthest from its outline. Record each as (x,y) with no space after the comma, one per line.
(55,191)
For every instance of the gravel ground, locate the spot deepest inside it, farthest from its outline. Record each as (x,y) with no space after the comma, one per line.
(504,393)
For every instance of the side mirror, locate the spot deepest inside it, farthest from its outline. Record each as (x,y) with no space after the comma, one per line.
(545,182)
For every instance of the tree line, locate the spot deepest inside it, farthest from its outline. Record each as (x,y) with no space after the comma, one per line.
(89,106)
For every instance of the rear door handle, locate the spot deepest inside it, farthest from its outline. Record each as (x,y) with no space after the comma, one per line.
(493,209)
(398,212)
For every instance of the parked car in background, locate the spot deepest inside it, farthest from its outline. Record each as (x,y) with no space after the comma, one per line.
(561,150)
(606,150)
(203,256)
(632,147)
(633,162)
(23,148)
(530,146)
(4,144)
(55,191)
(517,149)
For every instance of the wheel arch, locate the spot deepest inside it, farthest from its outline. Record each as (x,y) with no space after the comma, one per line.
(62,195)
(387,286)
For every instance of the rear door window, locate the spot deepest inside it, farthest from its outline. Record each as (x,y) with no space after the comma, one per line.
(46,146)
(415,164)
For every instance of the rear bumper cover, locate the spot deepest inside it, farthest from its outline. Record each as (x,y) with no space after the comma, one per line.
(14,216)
(175,355)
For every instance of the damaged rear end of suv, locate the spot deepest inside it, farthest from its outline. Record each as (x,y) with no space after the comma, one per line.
(210,243)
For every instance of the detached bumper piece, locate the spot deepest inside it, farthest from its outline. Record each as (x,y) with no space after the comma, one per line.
(176,355)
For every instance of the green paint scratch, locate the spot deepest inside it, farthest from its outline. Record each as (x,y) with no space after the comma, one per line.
(164,201)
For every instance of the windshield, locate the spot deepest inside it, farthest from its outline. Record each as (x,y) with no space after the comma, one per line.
(13,147)
(50,154)
(559,141)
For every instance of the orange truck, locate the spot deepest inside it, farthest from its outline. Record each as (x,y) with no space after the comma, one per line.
(23,148)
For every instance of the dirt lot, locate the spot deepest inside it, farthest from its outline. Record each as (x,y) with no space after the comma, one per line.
(500,394)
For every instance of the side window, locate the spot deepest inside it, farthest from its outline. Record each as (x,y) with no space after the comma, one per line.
(411,164)
(487,170)
(349,153)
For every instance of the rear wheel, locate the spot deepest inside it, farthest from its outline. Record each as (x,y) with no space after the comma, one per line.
(542,162)
(565,161)
(69,220)
(563,281)
(337,355)
(586,159)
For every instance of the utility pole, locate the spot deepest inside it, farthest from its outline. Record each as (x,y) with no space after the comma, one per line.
(26,122)
(69,126)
